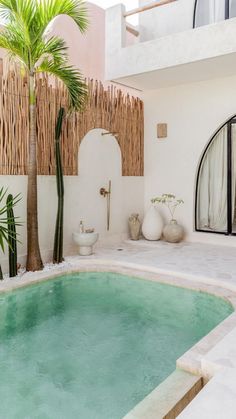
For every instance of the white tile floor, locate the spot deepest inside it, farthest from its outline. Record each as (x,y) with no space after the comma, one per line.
(198,260)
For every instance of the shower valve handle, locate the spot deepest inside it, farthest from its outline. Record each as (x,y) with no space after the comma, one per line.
(104,192)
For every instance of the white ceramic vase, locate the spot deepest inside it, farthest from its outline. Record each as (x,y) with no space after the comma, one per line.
(152,224)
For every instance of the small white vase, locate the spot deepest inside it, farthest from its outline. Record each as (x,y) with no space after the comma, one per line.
(152,224)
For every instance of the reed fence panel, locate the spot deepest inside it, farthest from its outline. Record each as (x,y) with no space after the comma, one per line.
(110,109)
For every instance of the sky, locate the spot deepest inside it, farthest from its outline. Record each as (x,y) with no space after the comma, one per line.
(129,4)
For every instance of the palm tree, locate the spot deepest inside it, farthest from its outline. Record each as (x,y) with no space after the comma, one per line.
(25,38)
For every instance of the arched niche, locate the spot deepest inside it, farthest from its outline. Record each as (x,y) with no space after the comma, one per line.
(99,152)
(100,161)
(215,201)
(116,112)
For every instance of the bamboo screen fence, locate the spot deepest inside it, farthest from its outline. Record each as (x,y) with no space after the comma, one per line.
(106,108)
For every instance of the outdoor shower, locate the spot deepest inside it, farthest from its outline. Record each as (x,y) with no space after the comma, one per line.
(107,194)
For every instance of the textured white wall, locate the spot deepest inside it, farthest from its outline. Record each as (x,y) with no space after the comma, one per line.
(193,113)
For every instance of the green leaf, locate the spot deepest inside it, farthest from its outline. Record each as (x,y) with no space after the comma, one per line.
(71,77)
(24,34)
(5,235)
(75,9)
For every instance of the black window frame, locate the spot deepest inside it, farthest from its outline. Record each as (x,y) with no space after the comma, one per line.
(195,10)
(229,231)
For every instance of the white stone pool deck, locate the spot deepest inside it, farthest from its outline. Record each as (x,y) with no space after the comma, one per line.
(194,265)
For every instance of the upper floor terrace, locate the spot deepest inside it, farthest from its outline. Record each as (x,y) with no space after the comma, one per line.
(175,42)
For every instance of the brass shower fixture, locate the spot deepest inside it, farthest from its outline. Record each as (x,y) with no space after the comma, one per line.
(104,192)
(115,134)
(107,194)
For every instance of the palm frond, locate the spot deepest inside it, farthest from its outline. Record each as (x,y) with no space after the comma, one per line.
(2,194)
(72,79)
(20,12)
(4,221)
(26,24)
(53,48)
(23,10)
(7,9)
(13,42)
(15,36)
(76,9)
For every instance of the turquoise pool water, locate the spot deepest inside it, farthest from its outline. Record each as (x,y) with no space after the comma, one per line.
(92,345)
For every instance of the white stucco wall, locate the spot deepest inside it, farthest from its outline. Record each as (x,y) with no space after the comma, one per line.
(187,56)
(100,161)
(193,112)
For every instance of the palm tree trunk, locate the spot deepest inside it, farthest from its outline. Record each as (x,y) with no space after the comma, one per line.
(34,261)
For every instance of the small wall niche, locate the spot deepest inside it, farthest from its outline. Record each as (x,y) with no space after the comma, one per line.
(162,130)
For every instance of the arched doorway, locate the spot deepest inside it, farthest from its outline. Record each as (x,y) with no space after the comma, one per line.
(215,209)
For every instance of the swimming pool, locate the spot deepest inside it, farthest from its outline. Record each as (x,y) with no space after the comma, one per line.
(92,345)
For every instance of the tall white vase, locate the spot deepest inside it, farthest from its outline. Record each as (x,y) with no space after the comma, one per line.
(152,224)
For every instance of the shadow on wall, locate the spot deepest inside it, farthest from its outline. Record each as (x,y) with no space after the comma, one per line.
(99,162)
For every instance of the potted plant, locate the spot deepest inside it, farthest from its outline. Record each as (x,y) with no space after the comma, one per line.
(172,232)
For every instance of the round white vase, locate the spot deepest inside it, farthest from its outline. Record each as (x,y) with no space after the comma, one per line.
(173,232)
(152,224)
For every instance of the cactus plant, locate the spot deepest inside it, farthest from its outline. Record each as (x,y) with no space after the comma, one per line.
(12,242)
(58,237)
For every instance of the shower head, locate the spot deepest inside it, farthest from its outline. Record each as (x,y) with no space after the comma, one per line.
(115,134)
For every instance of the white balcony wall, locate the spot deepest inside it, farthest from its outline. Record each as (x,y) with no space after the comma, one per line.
(192,55)
(165,20)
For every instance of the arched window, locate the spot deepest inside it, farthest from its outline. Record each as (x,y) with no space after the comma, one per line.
(210,11)
(215,209)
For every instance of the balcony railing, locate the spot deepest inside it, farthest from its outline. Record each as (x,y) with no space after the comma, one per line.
(148,7)
(138,10)
(204,12)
